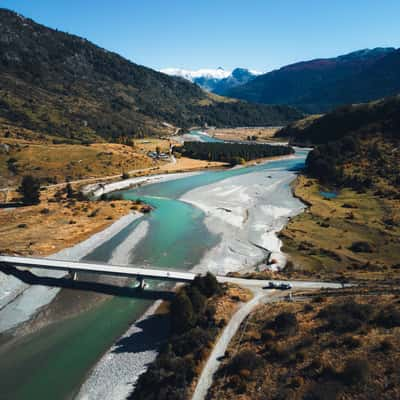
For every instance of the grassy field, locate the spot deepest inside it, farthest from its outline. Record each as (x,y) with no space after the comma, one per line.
(56,223)
(321,240)
(261,133)
(52,163)
(25,152)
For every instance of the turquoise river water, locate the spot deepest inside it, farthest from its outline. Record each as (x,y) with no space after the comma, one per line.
(53,362)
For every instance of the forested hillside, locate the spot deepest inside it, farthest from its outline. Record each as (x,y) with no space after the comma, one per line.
(357,146)
(63,85)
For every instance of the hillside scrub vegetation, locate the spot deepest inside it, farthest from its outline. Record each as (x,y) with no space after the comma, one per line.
(60,84)
(356,146)
(340,349)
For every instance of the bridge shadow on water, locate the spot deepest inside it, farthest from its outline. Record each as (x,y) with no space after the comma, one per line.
(96,287)
(147,335)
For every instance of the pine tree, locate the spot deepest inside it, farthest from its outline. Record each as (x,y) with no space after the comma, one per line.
(30,190)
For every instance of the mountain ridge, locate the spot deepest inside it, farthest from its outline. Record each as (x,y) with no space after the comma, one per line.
(64,85)
(320,85)
(218,80)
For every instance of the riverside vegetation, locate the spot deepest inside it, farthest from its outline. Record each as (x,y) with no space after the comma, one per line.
(197,314)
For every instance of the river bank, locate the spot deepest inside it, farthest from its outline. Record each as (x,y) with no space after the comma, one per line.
(21,301)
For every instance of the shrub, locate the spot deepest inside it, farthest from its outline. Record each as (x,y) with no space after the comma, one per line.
(197,299)
(94,213)
(346,317)
(308,308)
(69,191)
(351,342)
(361,247)
(195,339)
(285,324)
(388,318)
(182,315)
(245,360)
(207,285)
(355,371)
(386,346)
(323,391)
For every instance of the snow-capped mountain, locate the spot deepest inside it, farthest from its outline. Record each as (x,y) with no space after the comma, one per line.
(191,75)
(214,80)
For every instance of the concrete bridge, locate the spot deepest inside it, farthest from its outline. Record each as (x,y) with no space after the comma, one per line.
(73,267)
(7,263)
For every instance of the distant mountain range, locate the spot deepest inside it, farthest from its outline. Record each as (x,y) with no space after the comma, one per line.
(322,84)
(217,80)
(63,85)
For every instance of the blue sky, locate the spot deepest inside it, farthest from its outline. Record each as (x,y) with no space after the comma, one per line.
(258,34)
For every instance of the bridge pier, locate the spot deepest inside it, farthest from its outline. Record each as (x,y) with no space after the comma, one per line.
(142,283)
(74,275)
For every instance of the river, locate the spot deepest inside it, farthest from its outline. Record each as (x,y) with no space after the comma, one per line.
(53,362)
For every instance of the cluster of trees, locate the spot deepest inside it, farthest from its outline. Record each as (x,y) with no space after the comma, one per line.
(342,163)
(234,153)
(193,330)
(326,160)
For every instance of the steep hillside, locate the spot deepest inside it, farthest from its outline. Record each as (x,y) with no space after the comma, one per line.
(61,84)
(320,85)
(357,146)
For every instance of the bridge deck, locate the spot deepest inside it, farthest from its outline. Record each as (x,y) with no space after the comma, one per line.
(106,269)
(145,273)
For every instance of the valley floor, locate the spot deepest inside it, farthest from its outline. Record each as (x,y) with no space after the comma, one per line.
(332,344)
(259,133)
(323,240)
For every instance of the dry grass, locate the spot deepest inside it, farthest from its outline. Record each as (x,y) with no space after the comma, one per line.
(52,226)
(261,133)
(37,155)
(313,360)
(319,240)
